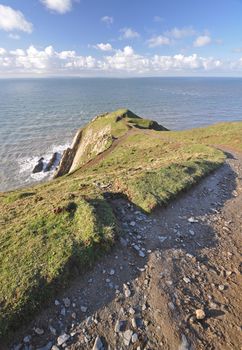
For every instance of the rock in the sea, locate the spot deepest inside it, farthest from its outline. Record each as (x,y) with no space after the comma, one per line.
(39,166)
(52,161)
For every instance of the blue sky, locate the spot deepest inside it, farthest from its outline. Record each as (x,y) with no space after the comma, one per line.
(120,38)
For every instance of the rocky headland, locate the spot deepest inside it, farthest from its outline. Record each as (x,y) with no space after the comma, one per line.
(121,250)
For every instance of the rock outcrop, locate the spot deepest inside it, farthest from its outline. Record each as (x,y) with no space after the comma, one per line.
(52,161)
(39,166)
(98,135)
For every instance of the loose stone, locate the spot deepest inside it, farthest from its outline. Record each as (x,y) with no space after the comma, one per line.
(84,309)
(127,291)
(200,314)
(134,338)
(98,345)
(39,331)
(62,339)
(67,302)
(127,337)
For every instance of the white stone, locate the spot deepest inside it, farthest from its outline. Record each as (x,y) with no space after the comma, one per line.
(62,338)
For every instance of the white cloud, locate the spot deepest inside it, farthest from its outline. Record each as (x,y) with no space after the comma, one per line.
(11,19)
(103,47)
(202,40)
(107,20)
(159,40)
(60,6)
(2,51)
(34,61)
(129,33)
(178,33)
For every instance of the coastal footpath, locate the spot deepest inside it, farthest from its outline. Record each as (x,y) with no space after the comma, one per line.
(172,277)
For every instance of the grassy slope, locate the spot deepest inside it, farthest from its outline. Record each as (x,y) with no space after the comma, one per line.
(51,228)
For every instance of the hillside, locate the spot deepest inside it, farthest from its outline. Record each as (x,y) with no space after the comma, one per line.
(54,231)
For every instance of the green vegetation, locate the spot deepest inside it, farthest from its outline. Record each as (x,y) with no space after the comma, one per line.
(60,227)
(224,135)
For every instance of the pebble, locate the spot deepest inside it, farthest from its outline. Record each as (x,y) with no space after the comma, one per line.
(192,220)
(134,338)
(63,311)
(127,291)
(127,337)
(67,302)
(39,331)
(186,279)
(52,330)
(98,345)
(132,223)
(221,287)
(141,254)
(27,339)
(162,238)
(131,311)
(119,326)
(83,309)
(62,338)
(54,347)
(200,314)
(112,272)
(57,302)
(134,323)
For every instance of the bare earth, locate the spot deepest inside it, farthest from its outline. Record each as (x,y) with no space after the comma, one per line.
(180,259)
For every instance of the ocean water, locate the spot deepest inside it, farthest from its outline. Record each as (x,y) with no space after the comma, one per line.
(41,116)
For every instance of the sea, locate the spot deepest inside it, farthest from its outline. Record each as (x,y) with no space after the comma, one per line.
(40,116)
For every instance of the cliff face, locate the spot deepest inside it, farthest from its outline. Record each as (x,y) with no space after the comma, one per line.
(99,135)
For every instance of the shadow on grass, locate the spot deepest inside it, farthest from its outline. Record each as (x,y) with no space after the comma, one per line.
(99,293)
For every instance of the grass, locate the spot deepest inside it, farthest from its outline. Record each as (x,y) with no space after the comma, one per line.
(41,248)
(55,228)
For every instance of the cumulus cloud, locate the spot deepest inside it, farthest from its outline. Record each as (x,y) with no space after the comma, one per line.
(11,19)
(178,33)
(103,47)
(60,6)
(159,40)
(108,20)
(202,40)
(123,61)
(129,33)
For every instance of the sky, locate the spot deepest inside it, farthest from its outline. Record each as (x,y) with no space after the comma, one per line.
(120,38)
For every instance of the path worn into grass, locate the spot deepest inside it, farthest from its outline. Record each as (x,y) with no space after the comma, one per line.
(180,259)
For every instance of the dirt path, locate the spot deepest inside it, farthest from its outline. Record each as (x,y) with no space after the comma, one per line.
(145,293)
